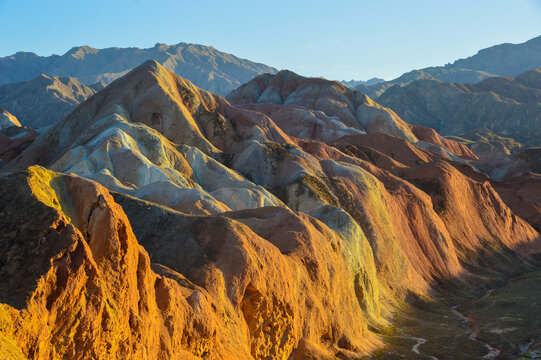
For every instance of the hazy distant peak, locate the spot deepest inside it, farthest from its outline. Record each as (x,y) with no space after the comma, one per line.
(353,83)
(162,47)
(205,66)
(44,100)
(505,59)
(24,54)
(499,60)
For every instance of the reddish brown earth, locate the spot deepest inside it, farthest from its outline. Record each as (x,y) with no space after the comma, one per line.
(523,195)
(234,232)
(431,136)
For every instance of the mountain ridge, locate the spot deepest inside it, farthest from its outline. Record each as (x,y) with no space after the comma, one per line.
(506,105)
(498,60)
(207,67)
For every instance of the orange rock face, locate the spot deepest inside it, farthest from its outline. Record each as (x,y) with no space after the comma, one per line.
(232,232)
(93,294)
(254,293)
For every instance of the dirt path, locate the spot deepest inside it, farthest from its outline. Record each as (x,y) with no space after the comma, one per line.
(418,342)
(492,351)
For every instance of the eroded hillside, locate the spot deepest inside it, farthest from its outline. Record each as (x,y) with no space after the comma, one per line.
(293,220)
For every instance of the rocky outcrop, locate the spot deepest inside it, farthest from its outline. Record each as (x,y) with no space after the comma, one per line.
(8,120)
(205,66)
(76,284)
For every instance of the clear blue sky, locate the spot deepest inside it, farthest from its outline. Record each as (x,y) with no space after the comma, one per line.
(335,39)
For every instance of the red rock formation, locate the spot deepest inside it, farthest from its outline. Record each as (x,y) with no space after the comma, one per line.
(257,294)
(355,223)
(523,195)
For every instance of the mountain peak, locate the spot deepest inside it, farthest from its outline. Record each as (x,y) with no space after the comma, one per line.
(79,52)
(150,65)
(161,46)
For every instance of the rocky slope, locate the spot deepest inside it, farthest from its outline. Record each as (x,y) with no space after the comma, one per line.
(526,161)
(523,195)
(44,100)
(205,66)
(92,291)
(331,111)
(290,221)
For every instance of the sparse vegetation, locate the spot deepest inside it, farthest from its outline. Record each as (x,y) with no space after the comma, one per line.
(487,137)
(318,188)
(275,151)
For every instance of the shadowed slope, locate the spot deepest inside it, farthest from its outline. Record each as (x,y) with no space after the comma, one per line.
(45,100)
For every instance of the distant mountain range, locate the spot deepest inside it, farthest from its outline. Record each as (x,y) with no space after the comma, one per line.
(495,118)
(205,66)
(354,83)
(502,104)
(498,60)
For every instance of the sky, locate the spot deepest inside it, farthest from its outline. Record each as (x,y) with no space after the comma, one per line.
(338,39)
